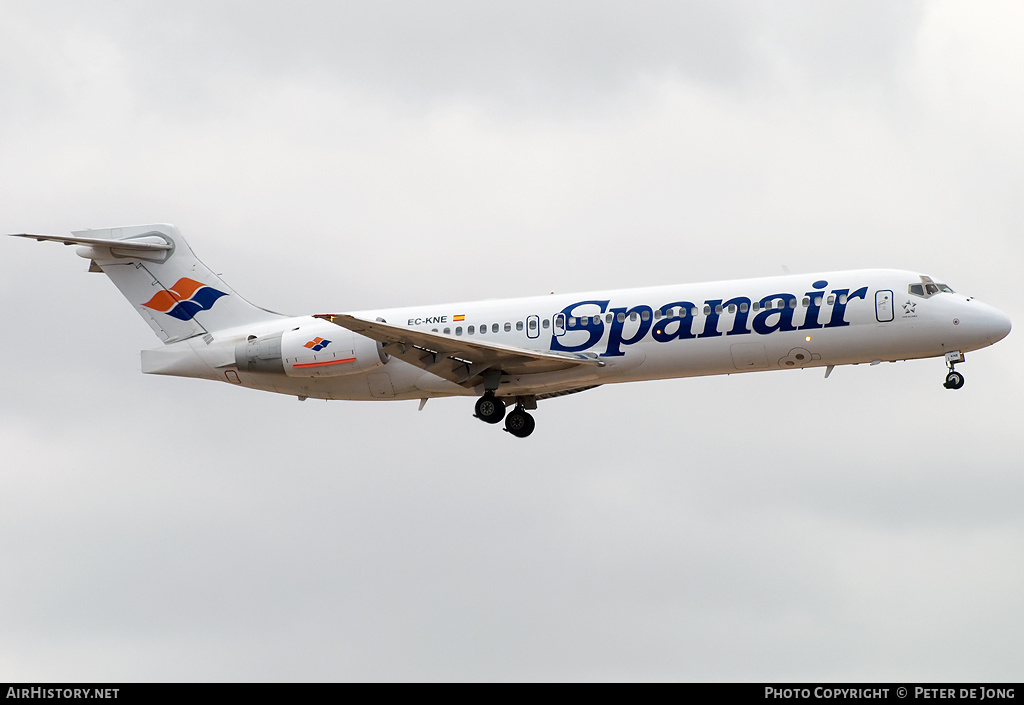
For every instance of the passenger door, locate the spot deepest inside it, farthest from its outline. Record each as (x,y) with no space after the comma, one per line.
(884,311)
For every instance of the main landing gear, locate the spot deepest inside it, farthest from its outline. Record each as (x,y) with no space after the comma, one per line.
(519,423)
(954,380)
(491,409)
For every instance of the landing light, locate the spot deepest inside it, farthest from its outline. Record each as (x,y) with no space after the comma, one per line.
(808,339)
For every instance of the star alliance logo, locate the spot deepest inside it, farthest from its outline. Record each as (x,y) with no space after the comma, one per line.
(909,307)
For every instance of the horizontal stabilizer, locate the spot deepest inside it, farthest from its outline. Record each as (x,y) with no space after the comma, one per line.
(139,245)
(154,268)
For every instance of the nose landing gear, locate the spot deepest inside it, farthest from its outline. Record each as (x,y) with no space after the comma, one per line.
(954,380)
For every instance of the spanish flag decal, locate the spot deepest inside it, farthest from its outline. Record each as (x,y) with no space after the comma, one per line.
(460,317)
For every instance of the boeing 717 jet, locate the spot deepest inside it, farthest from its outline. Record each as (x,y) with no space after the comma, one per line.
(517,352)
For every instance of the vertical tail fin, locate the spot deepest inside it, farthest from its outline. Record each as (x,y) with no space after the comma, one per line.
(156,270)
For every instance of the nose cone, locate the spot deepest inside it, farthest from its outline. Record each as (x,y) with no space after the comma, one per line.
(999,325)
(978,325)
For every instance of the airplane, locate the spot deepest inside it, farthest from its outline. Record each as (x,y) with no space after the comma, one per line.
(517,352)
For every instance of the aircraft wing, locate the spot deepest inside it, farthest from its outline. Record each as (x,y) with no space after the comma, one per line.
(458,360)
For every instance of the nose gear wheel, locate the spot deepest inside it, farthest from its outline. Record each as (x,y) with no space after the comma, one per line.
(954,380)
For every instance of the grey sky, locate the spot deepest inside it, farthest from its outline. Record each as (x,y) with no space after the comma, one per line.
(332,156)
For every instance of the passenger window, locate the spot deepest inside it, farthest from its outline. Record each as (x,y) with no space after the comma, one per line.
(657,314)
(621,317)
(718,308)
(545,323)
(433,330)
(508,327)
(646,315)
(458,330)
(817,301)
(707,310)
(483,329)
(831,299)
(471,330)
(632,316)
(732,308)
(792,303)
(494,327)
(608,318)
(519,325)
(572,322)
(806,302)
(842,299)
(743,307)
(755,306)
(447,331)
(532,323)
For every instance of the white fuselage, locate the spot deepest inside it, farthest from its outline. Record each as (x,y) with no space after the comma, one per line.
(689,330)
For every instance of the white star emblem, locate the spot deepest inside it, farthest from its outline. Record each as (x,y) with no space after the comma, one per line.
(909,307)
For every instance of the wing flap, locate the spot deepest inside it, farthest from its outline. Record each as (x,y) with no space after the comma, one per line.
(458,360)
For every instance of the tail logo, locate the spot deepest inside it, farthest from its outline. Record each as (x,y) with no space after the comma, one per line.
(185,299)
(317,344)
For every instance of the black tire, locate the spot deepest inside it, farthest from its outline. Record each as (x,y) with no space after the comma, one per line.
(519,423)
(490,409)
(954,380)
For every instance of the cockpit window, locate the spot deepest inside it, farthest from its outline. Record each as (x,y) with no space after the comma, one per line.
(928,288)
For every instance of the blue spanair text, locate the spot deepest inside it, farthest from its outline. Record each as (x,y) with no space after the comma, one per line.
(772,313)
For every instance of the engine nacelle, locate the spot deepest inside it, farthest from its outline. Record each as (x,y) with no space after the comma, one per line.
(318,350)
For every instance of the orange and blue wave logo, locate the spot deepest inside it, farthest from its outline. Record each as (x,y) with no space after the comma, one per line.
(185,299)
(317,344)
